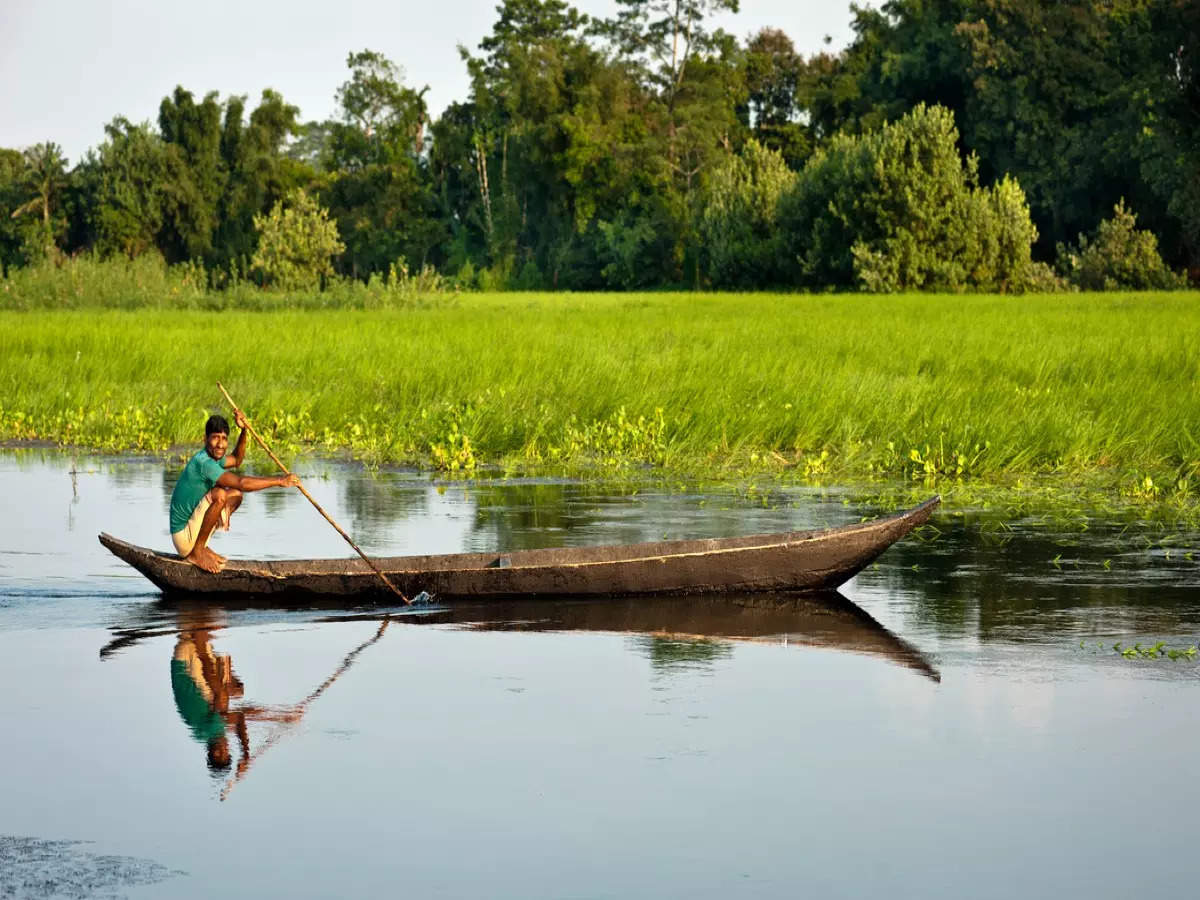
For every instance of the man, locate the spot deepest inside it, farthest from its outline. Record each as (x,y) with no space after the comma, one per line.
(207,494)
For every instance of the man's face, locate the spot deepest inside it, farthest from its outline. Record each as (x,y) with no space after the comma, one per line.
(216,444)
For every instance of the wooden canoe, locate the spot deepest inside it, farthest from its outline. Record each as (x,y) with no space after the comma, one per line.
(816,560)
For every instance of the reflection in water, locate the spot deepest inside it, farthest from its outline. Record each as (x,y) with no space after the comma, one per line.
(203,683)
(207,690)
(297,712)
(697,629)
(205,687)
(1039,584)
(672,654)
(675,634)
(689,629)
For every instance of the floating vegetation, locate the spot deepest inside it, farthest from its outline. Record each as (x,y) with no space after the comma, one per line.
(1158,650)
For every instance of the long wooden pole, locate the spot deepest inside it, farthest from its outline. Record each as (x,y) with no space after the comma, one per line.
(328,518)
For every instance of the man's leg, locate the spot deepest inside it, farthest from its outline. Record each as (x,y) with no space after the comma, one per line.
(233,499)
(202,556)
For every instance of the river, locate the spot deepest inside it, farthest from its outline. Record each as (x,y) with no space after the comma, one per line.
(956,723)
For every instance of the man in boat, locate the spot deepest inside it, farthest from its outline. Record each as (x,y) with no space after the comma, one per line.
(207,493)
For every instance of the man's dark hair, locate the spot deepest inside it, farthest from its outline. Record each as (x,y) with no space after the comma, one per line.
(215,425)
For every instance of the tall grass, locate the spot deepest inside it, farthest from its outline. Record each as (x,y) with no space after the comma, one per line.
(980,387)
(147,282)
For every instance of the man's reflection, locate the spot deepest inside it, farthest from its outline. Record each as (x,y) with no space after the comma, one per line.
(204,685)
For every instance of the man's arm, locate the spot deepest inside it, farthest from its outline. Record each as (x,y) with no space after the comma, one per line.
(234,459)
(248,483)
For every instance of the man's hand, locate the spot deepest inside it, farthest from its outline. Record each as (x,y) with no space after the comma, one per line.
(239,418)
(292,480)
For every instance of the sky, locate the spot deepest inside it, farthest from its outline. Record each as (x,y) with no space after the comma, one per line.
(69,67)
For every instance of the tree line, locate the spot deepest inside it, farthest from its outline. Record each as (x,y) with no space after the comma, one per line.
(953,144)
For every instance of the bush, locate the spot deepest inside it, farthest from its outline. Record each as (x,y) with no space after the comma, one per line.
(740,243)
(296,243)
(1119,256)
(87,281)
(899,209)
(528,279)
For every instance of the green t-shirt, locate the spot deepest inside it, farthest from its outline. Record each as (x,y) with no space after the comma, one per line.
(197,713)
(198,478)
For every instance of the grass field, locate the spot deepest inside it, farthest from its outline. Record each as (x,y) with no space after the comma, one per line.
(986,389)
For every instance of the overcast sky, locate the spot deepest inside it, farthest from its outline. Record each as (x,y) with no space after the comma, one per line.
(68,67)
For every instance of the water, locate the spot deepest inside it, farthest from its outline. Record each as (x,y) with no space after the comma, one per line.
(937,731)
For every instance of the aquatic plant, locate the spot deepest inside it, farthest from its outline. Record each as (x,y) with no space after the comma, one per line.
(1030,404)
(1155,651)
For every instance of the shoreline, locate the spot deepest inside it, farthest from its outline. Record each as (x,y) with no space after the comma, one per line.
(1031,401)
(1059,496)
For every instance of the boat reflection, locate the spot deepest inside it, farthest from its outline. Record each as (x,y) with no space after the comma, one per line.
(675,631)
(828,620)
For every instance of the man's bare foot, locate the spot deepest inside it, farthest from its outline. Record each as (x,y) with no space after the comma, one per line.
(217,556)
(205,559)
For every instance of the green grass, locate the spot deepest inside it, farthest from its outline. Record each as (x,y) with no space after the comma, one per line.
(1094,389)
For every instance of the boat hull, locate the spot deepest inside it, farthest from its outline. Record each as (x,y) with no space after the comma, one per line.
(794,561)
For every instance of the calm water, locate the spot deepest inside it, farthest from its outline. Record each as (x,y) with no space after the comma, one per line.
(936,731)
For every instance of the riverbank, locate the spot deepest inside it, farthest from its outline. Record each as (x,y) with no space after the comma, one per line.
(959,393)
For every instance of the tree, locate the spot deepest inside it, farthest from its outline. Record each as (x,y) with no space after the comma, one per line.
(40,184)
(1118,256)
(899,209)
(296,243)
(195,178)
(1171,130)
(694,86)
(378,187)
(383,121)
(772,74)
(129,178)
(221,171)
(1081,102)
(384,213)
(739,236)
(257,171)
(12,195)
(1049,103)
(44,176)
(553,142)
(665,36)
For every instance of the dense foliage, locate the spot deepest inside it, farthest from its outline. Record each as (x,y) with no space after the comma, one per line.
(296,243)
(897,209)
(951,145)
(1119,255)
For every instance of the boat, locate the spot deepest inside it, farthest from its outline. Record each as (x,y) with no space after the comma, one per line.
(816,560)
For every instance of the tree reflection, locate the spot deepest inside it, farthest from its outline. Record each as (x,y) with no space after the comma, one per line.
(673,654)
(1035,581)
